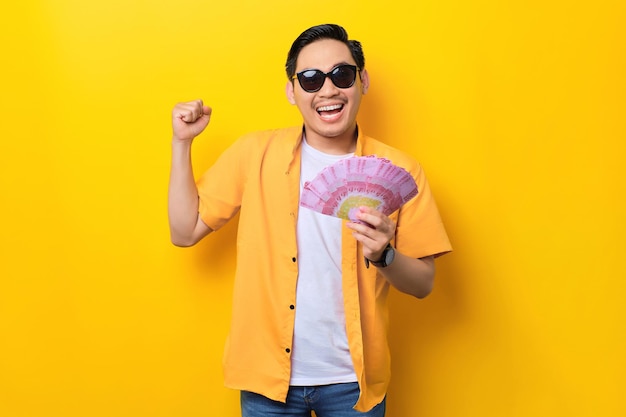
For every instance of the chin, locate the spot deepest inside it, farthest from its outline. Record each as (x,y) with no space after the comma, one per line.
(332,133)
(331,130)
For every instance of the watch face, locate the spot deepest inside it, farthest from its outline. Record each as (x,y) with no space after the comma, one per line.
(389,255)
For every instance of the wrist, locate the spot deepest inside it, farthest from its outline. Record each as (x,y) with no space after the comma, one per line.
(181,141)
(386,258)
(181,146)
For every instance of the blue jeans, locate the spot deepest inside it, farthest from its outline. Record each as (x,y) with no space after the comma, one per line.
(334,400)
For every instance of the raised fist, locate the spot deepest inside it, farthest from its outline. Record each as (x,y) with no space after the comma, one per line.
(190,119)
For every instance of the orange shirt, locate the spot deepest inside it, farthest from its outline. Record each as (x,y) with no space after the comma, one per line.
(260,176)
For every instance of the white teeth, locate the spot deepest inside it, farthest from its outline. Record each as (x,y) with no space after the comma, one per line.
(330,108)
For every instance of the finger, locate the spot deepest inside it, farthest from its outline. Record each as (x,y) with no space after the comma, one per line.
(372,244)
(190,111)
(373,217)
(364,231)
(383,227)
(184,113)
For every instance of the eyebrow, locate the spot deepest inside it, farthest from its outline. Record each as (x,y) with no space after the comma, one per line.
(331,68)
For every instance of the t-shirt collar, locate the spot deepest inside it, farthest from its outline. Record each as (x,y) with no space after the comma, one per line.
(358,150)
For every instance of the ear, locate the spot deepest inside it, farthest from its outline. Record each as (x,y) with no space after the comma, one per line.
(365,81)
(289,92)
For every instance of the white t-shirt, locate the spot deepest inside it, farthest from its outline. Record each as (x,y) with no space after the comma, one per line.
(320,352)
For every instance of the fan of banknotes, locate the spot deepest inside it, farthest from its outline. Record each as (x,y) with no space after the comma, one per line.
(341,188)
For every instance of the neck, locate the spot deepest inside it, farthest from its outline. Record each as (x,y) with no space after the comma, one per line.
(337,145)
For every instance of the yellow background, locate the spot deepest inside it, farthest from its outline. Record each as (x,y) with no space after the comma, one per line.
(515,109)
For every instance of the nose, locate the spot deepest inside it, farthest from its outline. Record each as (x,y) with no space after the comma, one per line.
(329,88)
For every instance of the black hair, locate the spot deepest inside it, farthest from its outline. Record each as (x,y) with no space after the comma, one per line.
(316,33)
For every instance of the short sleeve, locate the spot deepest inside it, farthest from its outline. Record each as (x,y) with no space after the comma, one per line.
(420,231)
(220,188)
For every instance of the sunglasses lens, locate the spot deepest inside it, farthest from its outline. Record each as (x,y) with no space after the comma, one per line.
(311,80)
(344,76)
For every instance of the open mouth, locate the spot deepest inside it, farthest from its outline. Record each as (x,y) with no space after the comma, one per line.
(329,111)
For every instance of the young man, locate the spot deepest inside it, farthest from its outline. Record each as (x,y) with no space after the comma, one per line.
(308,329)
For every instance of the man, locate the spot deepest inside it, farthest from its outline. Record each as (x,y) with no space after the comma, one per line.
(308,329)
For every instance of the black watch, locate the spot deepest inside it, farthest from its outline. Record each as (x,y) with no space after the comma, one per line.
(385,260)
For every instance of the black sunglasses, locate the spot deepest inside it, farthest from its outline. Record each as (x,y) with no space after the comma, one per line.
(312,80)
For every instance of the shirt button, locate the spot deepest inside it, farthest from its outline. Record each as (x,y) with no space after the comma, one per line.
(293,259)
(287,350)
(292,307)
